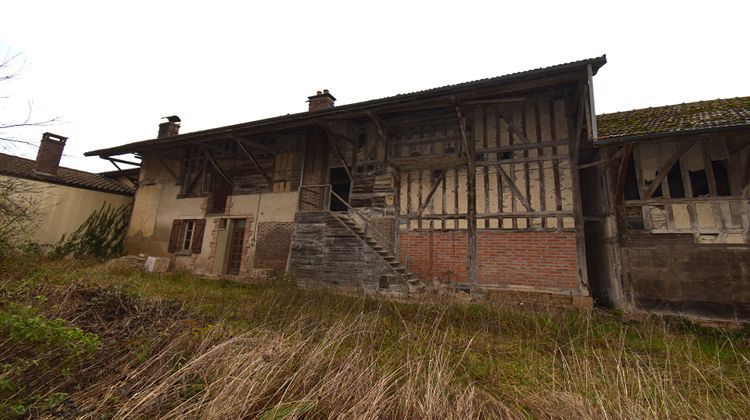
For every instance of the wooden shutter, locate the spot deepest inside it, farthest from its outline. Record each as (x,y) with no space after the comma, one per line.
(200,226)
(174,237)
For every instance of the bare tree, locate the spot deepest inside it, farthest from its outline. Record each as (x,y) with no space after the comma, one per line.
(11,66)
(19,211)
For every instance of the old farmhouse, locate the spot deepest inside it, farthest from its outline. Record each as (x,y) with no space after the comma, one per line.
(497,184)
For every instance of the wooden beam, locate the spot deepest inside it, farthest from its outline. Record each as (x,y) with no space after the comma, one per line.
(330,136)
(435,184)
(513,147)
(622,173)
(667,166)
(462,129)
(495,101)
(216,166)
(574,150)
(254,160)
(164,164)
(514,188)
(590,102)
(383,129)
(516,131)
(253,145)
(471,199)
(113,160)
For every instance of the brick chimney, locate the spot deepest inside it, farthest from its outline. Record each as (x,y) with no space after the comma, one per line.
(50,152)
(169,128)
(321,100)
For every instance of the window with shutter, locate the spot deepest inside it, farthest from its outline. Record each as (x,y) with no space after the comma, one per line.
(187,236)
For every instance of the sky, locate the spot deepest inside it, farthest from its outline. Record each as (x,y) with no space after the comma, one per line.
(108,71)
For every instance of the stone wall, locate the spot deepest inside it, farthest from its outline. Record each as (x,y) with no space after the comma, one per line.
(670,273)
(324,251)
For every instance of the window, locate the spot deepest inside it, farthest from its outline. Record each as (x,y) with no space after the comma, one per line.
(186,236)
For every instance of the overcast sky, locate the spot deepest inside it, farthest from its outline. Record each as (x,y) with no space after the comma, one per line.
(110,71)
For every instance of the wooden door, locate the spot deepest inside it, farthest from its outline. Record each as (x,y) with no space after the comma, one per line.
(236,243)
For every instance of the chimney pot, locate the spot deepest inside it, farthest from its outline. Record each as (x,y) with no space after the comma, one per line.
(321,100)
(50,151)
(169,128)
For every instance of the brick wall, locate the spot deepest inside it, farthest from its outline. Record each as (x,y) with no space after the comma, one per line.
(533,259)
(386,226)
(272,248)
(440,255)
(537,259)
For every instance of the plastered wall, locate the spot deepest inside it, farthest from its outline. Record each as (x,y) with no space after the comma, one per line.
(62,209)
(157,205)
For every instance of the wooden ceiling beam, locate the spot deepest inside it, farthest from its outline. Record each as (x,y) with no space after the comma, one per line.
(667,166)
(254,160)
(216,166)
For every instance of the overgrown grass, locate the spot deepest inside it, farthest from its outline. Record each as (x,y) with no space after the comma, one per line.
(178,346)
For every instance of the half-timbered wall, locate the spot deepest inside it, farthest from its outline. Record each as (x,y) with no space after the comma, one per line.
(690,186)
(683,213)
(524,195)
(523,177)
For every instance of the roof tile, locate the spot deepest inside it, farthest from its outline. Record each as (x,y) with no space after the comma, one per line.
(24,168)
(717,113)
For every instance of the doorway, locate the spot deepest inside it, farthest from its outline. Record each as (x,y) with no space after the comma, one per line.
(340,184)
(236,245)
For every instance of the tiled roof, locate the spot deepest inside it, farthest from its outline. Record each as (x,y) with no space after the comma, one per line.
(670,119)
(24,168)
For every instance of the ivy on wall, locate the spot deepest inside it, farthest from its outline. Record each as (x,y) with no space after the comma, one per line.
(101,236)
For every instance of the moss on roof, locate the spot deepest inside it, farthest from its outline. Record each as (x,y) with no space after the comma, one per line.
(717,113)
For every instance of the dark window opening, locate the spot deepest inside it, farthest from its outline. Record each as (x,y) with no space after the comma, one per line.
(657,192)
(220,191)
(699,183)
(634,218)
(674,179)
(340,185)
(505,155)
(631,183)
(362,139)
(478,157)
(722,177)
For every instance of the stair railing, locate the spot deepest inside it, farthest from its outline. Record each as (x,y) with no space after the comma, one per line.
(368,225)
(318,197)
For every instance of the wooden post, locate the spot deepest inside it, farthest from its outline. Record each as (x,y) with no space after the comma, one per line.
(471,200)
(396,211)
(575,144)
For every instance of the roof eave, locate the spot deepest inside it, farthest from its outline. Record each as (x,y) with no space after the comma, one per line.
(445,91)
(650,136)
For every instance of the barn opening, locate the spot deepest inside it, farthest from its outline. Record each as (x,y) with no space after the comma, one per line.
(340,184)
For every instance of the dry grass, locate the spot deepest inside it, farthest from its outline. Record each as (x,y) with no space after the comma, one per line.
(175,346)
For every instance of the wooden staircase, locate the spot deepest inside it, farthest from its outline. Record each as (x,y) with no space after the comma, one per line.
(408,281)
